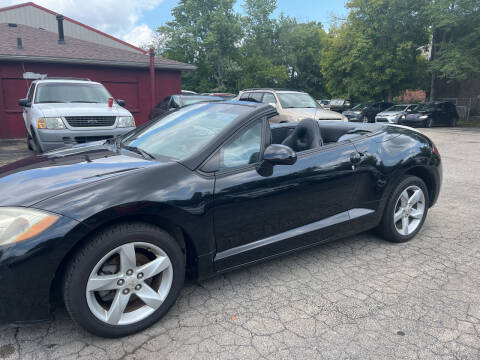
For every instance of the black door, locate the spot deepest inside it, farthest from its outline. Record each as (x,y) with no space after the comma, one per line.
(256,216)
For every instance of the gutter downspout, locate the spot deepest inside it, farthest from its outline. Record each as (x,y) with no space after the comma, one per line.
(152,75)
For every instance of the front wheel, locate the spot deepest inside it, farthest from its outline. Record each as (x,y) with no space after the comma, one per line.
(124,279)
(405,211)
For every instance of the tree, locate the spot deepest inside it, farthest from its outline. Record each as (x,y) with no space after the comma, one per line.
(205,33)
(375,54)
(455,29)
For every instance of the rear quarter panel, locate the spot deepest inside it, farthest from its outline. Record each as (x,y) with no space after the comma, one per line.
(387,157)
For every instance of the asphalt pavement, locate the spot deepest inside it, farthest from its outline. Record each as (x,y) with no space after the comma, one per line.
(357,298)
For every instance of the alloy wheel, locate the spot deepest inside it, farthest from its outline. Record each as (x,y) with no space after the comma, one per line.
(129,283)
(409,210)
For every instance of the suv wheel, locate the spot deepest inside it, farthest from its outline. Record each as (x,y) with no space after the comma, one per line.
(124,279)
(30,143)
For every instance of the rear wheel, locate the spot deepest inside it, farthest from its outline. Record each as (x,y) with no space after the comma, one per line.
(124,279)
(405,211)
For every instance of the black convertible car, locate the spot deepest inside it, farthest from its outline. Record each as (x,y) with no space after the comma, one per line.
(114,227)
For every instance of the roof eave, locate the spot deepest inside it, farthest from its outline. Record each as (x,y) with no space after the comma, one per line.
(130,64)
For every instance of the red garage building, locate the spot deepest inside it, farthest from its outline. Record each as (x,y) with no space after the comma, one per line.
(128,74)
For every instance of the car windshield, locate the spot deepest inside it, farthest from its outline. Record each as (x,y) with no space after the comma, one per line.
(426,107)
(296,100)
(71,93)
(398,108)
(358,107)
(183,132)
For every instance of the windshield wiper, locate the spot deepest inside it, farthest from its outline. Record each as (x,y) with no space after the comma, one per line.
(142,152)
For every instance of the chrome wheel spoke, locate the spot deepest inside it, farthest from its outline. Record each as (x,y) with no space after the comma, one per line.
(103,282)
(150,297)
(398,215)
(127,257)
(416,214)
(417,194)
(404,229)
(404,198)
(117,308)
(154,267)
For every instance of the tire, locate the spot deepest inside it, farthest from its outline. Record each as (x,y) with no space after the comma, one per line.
(82,304)
(30,144)
(428,123)
(365,120)
(35,144)
(388,228)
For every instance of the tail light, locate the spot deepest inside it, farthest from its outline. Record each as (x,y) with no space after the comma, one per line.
(435,150)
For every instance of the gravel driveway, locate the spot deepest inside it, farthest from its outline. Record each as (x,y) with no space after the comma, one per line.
(358,298)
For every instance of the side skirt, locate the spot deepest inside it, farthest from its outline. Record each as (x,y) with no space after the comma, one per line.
(331,228)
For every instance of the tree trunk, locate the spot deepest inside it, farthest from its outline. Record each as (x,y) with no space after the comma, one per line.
(432,57)
(390,94)
(432,88)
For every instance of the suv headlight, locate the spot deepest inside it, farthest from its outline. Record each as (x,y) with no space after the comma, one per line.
(19,224)
(126,121)
(52,123)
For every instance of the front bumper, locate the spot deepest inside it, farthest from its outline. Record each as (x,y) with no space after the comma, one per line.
(412,122)
(28,269)
(54,139)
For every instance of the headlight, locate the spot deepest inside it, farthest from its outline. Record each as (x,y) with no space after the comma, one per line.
(126,121)
(403,117)
(19,224)
(423,117)
(52,123)
(357,112)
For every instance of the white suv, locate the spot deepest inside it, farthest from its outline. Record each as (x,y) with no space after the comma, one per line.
(63,112)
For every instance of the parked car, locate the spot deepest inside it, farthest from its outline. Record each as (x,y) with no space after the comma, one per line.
(325,104)
(340,105)
(115,225)
(60,112)
(291,105)
(366,113)
(394,113)
(173,102)
(433,114)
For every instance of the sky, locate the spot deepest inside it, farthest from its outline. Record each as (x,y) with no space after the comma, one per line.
(136,20)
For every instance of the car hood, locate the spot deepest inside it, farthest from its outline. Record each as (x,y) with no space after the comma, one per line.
(39,177)
(81,109)
(313,113)
(390,113)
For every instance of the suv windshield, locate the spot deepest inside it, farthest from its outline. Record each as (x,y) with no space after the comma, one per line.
(296,100)
(71,93)
(183,132)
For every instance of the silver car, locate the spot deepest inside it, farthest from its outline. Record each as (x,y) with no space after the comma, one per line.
(393,114)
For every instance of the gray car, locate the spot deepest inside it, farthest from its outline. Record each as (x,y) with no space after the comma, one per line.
(393,114)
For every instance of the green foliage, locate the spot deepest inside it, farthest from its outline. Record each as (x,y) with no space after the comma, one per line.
(377,53)
(456,30)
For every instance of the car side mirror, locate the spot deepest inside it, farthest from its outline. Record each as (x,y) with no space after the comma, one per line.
(121,102)
(277,154)
(24,102)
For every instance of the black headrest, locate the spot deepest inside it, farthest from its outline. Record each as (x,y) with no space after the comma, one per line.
(306,136)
